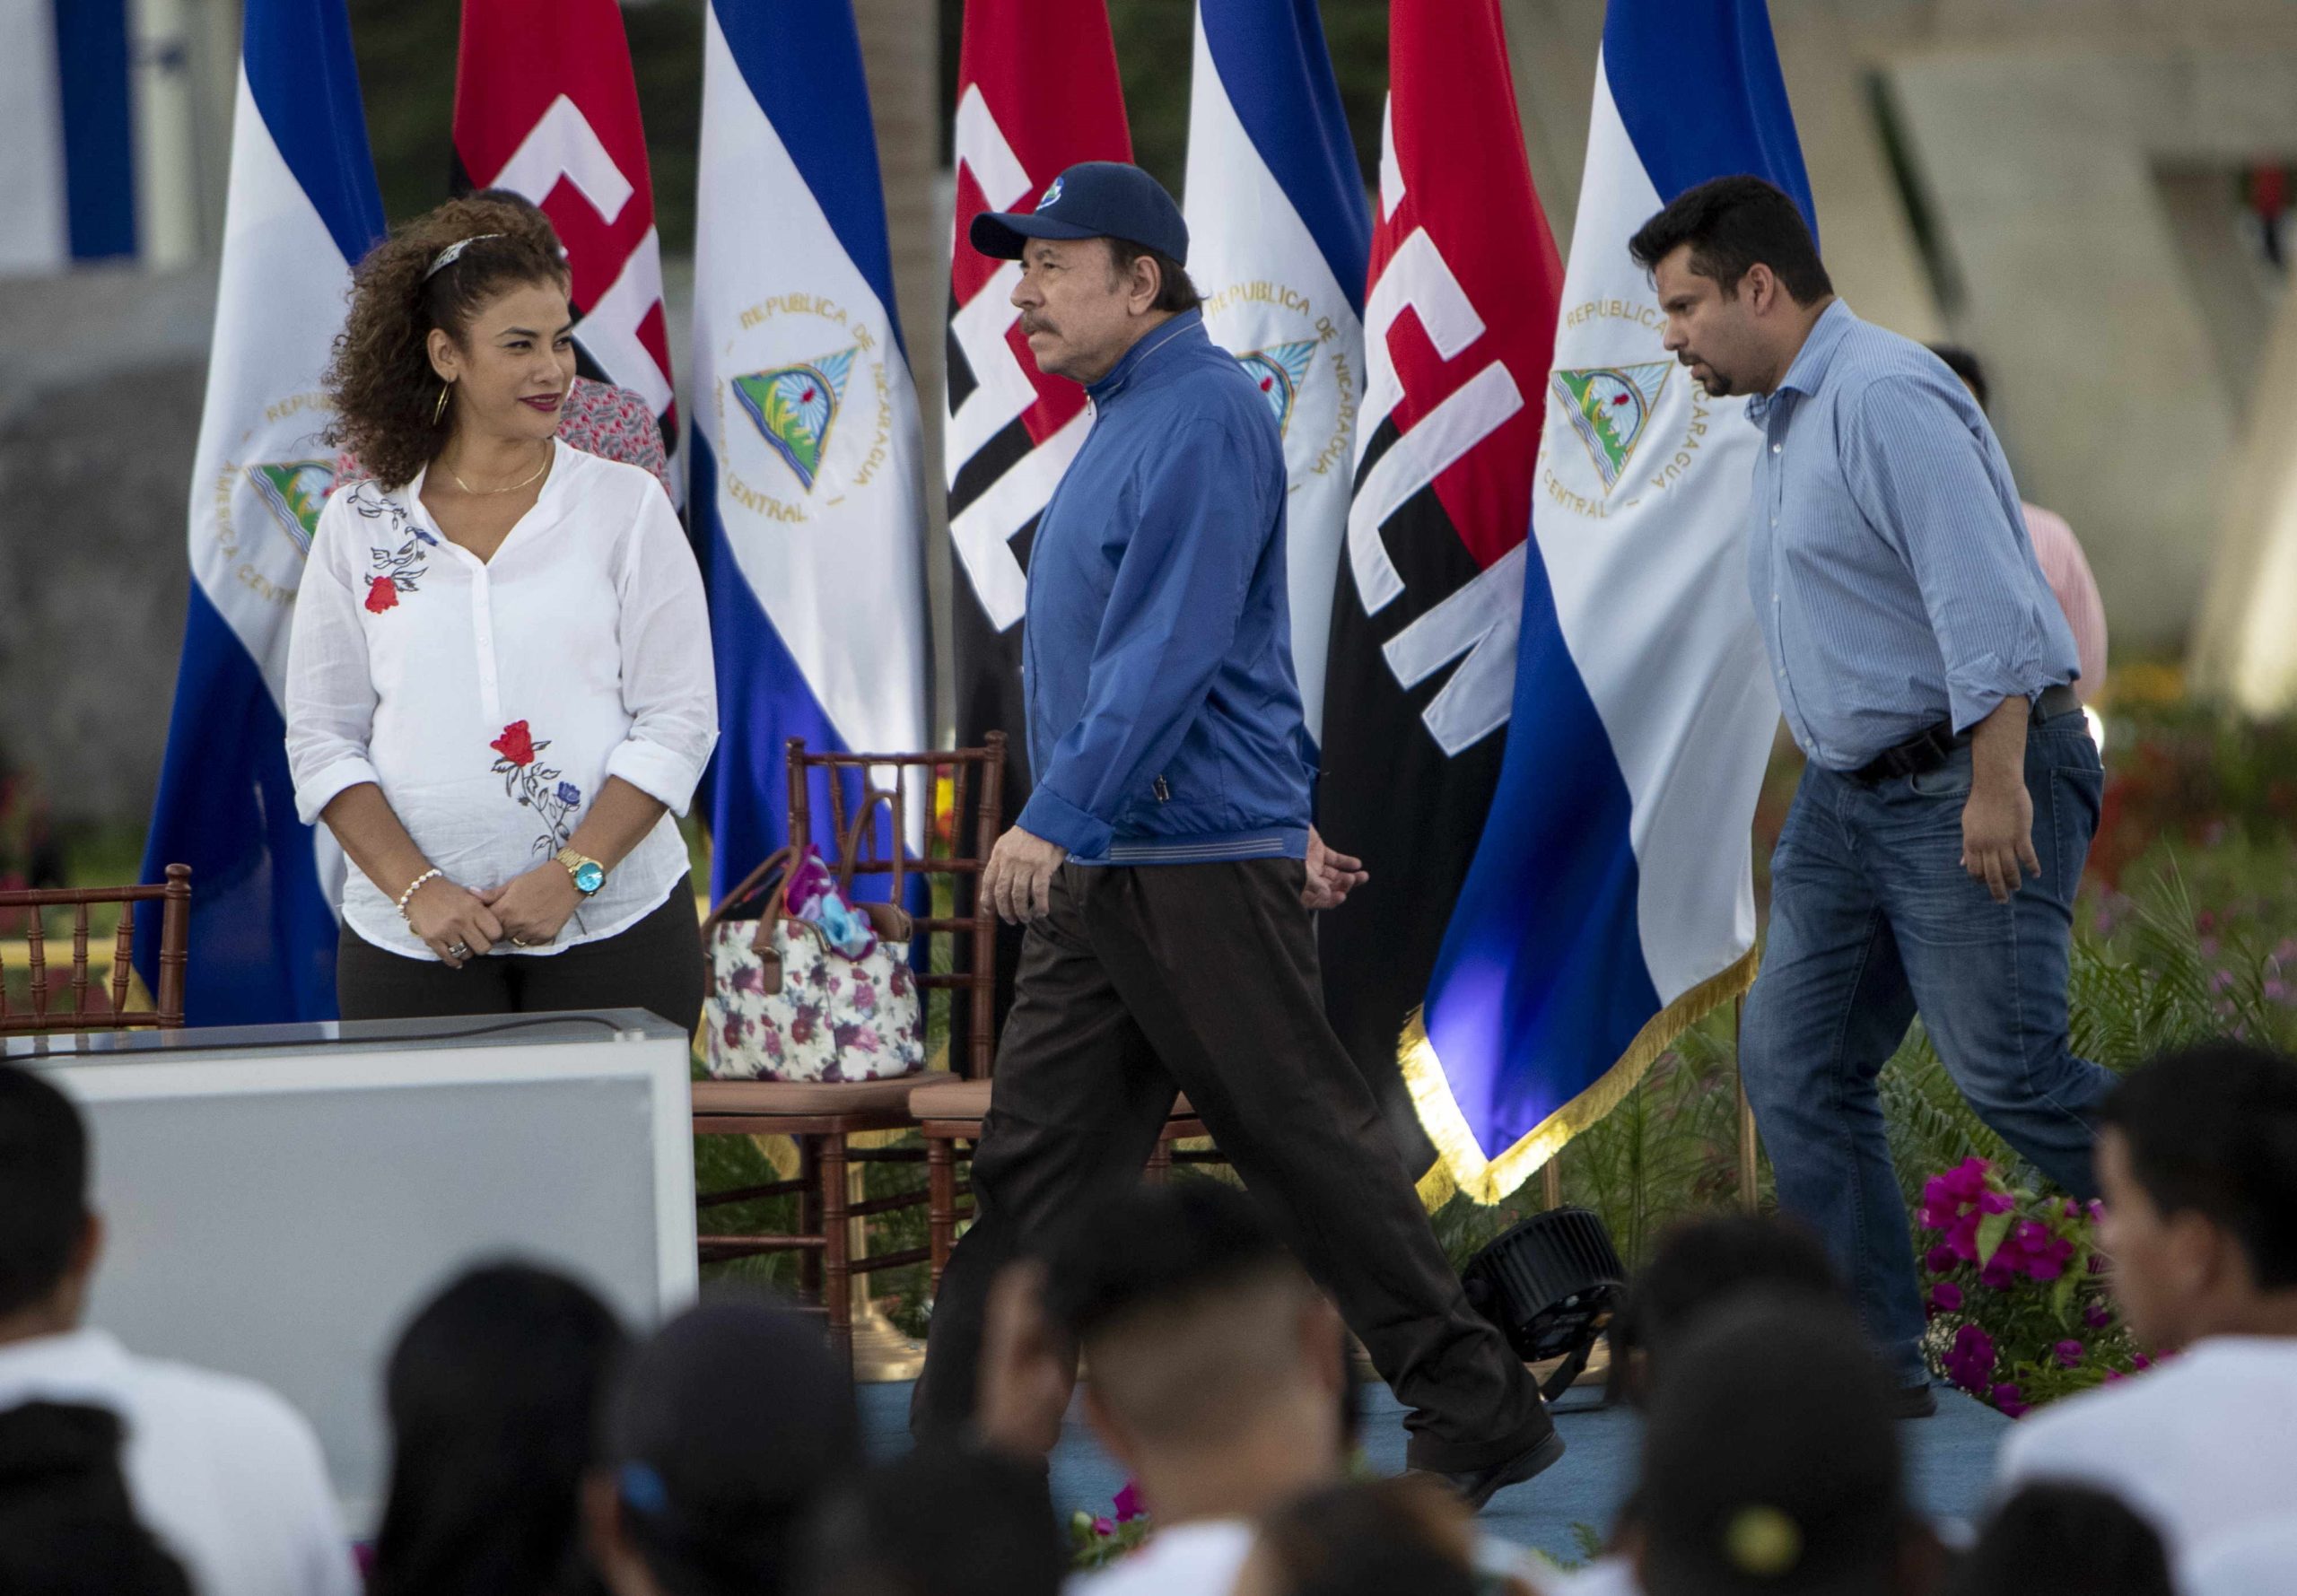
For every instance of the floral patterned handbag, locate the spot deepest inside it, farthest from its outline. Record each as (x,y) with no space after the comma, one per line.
(785,1004)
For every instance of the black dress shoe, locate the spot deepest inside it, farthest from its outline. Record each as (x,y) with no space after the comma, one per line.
(1476,1486)
(1916,1401)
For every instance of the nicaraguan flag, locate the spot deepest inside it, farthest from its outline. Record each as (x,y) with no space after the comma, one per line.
(303,208)
(1280,241)
(1610,903)
(804,481)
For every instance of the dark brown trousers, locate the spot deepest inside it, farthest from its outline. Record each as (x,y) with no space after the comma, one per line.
(1204,978)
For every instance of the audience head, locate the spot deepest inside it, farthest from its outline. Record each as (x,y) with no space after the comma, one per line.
(2198,1162)
(1368,1539)
(492,1395)
(48,1238)
(942,1521)
(1739,280)
(2057,1538)
(721,1436)
(1770,1461)
(1700,1264)
(1202,1336)
(1965,366)
(68,1527)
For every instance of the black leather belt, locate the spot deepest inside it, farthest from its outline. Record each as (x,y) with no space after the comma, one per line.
(1920,755)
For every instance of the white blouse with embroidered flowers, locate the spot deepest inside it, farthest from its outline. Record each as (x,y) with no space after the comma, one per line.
(491,700)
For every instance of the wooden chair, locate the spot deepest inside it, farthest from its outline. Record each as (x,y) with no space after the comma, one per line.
(88,1009)
(823,1117)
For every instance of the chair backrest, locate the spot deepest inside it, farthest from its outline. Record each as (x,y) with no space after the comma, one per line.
(70,1001)
(954,854)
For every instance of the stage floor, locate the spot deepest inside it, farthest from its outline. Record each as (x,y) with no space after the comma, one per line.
(1950,1462)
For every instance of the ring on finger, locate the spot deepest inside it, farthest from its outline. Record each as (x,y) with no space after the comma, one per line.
(459,950)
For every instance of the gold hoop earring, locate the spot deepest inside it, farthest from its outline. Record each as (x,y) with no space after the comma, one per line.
(440,409)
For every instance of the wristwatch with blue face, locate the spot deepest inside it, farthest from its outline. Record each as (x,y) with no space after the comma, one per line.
(588,873)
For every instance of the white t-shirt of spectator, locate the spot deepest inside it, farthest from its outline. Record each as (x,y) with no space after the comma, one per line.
(224,1473)
(2203,1446)
(1204,1557)
(2260,1560)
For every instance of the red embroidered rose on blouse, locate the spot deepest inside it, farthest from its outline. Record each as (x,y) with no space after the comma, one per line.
(516,743)
(382,594)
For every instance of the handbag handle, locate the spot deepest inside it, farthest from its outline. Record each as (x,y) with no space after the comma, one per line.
(780,859)
(852,842)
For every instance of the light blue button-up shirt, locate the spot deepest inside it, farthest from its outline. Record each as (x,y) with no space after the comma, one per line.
(1887,553)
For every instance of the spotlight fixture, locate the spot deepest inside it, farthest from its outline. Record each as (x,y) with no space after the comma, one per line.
(1551,1285)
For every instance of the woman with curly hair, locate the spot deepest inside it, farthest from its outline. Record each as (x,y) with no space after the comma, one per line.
(597,418)
(499,686)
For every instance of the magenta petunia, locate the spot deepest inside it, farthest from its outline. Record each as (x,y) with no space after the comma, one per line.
(1945,1297)
(2097,1316)
(1997,1275)
(1970,1361)
(2011,1400)
(1996,1202)
(1941,1259)
(1128,1504)
(2068,1354)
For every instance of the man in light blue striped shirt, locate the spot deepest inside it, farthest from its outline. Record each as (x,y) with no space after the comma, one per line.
(1935,841)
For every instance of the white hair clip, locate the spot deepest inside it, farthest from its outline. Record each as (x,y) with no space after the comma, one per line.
(453,253)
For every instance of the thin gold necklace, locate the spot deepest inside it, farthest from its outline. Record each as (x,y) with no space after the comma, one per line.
(488,493)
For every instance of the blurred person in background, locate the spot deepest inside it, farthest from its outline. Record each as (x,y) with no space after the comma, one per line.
(2197,1157)
(225,1473)
(2064,565)
(1376,1538)
(598,418)
(499,684)
(1220,1377)
(493,1396)
(2056,1539)
(1770,1463)
(66,1525)
(724,1435)
(944,1521)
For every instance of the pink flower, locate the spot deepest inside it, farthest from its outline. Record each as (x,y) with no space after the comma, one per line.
(2114,1375)
(1970,1361)
(2068,1353)
(1941,1259)
(2097,1316)
(1997,1275)
(749,977)
(1945,1297)
(2140,1364)
(1996,1202)
(1103,1527)
(1128,1505)
(2011,1400)
(1966,1179)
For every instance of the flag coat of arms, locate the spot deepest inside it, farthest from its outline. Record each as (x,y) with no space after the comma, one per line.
(804,459)
(1458,324)
(1037,93)
(1611,899)
(546,106)
(1279,239)
(302,210)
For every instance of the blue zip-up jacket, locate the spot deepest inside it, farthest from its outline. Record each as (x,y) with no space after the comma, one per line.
(1165,723)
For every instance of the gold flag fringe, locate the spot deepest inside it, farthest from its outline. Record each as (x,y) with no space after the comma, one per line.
(1460,1163)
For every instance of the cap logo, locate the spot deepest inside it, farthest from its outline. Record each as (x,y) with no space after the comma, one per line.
(1052,197)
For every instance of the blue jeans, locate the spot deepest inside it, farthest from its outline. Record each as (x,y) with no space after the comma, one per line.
(1872,918)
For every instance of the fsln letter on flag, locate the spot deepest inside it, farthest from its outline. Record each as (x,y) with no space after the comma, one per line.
(1458,324)
(546,106)
(806,487)
(1279,241)
(1037,91)
(302,210)
(1611,901)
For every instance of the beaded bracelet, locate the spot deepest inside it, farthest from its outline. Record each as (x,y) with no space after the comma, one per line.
(428,875)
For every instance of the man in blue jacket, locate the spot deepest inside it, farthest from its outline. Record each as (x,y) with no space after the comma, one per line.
(1164,864)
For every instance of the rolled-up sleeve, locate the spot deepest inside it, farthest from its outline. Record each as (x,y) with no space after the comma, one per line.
(330,686)
(668,681)
(1921,477)
(1172,614)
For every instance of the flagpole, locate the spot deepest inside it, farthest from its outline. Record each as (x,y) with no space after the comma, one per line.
(1749,1194)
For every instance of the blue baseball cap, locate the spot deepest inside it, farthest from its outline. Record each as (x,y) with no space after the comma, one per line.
(1093,199)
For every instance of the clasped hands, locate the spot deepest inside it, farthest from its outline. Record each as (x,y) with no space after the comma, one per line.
(527,910)
(1017,881)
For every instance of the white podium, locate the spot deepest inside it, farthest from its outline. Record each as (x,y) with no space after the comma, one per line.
(279,1200)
